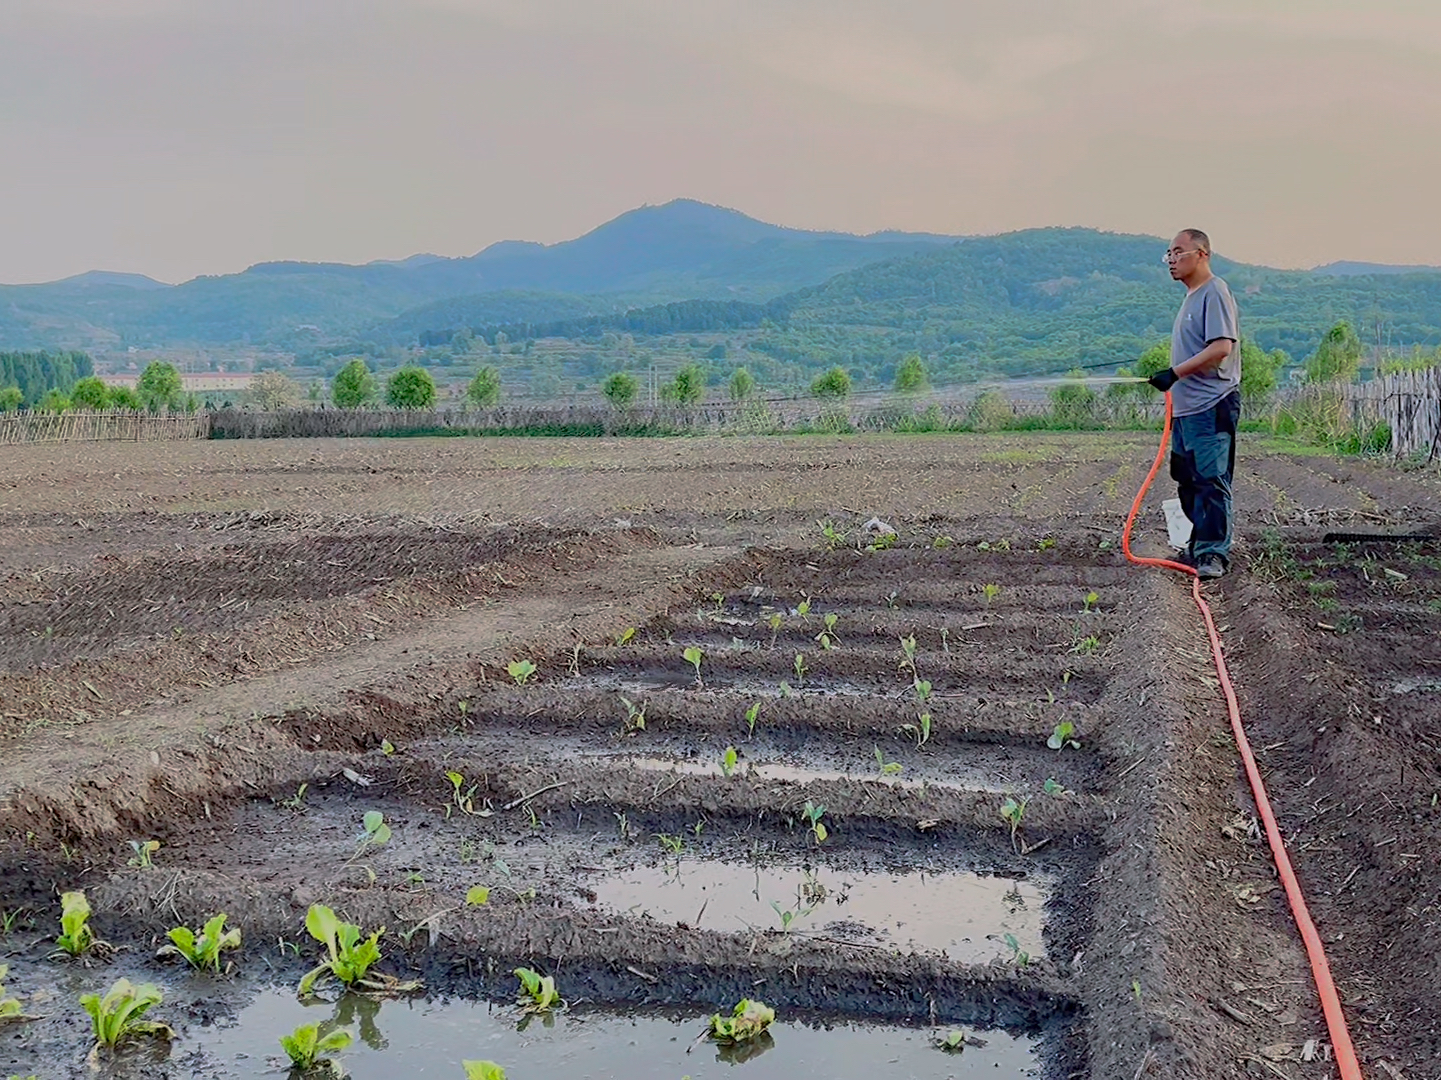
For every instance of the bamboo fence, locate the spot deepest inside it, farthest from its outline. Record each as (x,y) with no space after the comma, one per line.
(119,425)
(1408,403)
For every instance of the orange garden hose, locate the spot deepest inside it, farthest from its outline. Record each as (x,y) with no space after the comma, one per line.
(1330,1000)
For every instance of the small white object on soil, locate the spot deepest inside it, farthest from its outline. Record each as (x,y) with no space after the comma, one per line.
(878,527)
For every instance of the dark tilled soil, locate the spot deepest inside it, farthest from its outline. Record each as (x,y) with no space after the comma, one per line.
(187,642)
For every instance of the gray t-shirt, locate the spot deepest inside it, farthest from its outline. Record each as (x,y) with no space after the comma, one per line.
(1206,314)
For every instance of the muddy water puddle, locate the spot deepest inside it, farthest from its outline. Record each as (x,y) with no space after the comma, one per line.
(788,773)
(432,1038)
(968,917)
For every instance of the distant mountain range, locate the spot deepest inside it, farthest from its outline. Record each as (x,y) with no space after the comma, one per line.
(678,251)
(1041,296)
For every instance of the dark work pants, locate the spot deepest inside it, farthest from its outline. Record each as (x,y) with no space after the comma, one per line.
(1203,459)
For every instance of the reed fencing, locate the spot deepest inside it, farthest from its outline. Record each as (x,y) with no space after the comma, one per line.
(1408,403)
(118,425)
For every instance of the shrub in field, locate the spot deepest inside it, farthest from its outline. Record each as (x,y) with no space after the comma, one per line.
(991,411)
(833,385)
(620,389)
(742,385)
(90,393)
(1073,404)
(911,375)
(410,388)
(53,402)
(11,399)
(353,386)
(687,387)
(272,390)
(484,389)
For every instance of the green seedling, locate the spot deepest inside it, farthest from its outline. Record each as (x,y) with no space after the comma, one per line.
(387,747)
(990,592)
(827,636)
(483,1070)
(624,637)
(719,599)
(693,656)
(1014,812)
(812,813)
(1087,645)
(952,1042)
(800,666)
(10,1008)
(1019,956)
(787,917)
(833,536)
(1136,990)
(803,609)
(752,715)
(999,545)
(537,992)
(729,760)
(295,803)
(1062,736)
(144,851)
(674,844)
(908,654)
(920,730)
(622,824)
(634,716)
(775,625)
(783,688)
(940,543)
(1051,787)
(373,832)
(888,768)
(348,957)
(306,1047)
(747,1021)
(520,671)
(462,798)
(118,1015)
(9,920)
(76,938)
(922,688)
(202,951)
(477,896)
(882,542)
(1045,544)
(1090,604)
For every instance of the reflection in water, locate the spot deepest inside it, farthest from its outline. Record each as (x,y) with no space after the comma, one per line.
(428,1040)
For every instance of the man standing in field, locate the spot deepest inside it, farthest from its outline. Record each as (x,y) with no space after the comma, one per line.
(1205,384)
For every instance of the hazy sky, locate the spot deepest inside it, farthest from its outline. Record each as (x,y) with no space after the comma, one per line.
(180,137)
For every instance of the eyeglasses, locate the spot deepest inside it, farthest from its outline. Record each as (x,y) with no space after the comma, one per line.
(1176,255)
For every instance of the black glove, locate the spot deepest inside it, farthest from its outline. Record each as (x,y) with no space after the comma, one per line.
(1163,380)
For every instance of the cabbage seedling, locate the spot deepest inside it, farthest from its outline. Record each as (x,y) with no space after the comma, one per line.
(812,813)
(827,636)
(775,625)
(693,656)
(729,760)
(373,832)
(143,849)
(349,958)
(477,896)
(634,717)
(10,1009)
(462,798)
(305,1045)
(748,1020)
(990,592)
(1090,604)
(1051,787)
(922,688)
(202,951)
(800,666)
(537,992)
(752,715)
(1087,645)
(624,637)
(833,536)
(76,938)
(520,671)
(887,768)
(483,1070)
(117,1016)
(803,609)
(908,654)
(1019,956)
(1013,812)
(788,917)
(920,730)
(1062,736)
